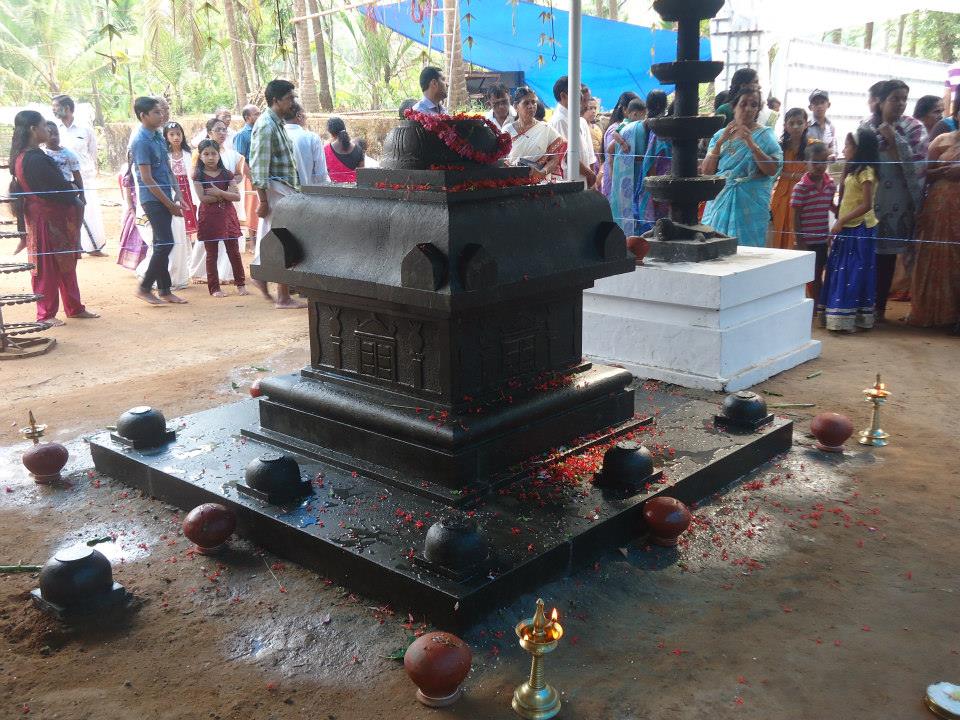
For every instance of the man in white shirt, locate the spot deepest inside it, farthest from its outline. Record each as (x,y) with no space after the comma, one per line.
(307,148)
(560,121)
(501,112)
(434,87)
(83,142)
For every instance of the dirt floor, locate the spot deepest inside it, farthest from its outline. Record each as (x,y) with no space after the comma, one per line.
(821,586)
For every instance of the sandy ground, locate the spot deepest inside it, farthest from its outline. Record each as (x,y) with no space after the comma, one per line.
(819,587)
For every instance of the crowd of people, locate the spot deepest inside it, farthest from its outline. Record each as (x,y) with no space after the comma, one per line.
(881,225)
(203,197)
(884,227)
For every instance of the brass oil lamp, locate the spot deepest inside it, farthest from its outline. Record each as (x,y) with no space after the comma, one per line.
(535,699)
(873,435)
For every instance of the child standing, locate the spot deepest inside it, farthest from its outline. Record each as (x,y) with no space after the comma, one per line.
(849,294)
(217,189)
(132,247)
(69,165)
(179,152)
(794,144)
(65,158)
(811,202)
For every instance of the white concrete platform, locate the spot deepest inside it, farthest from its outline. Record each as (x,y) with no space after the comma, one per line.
(723,324)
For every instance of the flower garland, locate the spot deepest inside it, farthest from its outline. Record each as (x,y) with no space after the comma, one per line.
(442,126)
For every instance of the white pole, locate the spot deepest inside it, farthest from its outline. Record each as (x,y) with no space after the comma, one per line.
(573,92)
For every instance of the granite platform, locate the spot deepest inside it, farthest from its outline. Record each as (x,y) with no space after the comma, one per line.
(542,519)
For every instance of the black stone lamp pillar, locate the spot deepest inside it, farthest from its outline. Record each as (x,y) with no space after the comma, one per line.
(681,238)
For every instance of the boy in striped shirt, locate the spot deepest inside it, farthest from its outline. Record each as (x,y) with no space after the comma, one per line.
(812,201)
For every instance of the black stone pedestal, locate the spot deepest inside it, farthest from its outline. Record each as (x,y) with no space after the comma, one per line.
(691,250)
(367,533)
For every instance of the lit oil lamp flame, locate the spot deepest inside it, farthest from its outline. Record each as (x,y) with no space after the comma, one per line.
(554,629)
(879,390)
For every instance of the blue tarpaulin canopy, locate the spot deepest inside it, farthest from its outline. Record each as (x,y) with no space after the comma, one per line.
(616,56)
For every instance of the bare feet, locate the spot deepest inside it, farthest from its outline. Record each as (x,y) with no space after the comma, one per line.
(53,322)
(85,315)
(173,299)
(241,290)
(289,304)
(148,297)
(262,287)
(97,253)
(218,293)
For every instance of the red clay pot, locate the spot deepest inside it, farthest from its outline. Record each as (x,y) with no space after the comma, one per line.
(209,526)
(831,430)
(437,663)
(666,518)
(255,389)
(45,461)
(639,247)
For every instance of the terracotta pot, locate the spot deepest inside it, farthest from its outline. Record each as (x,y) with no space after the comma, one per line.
(639,247)
(437,663)
(209,526)
(76,576)
(667,518)
(831,430)
(255,390)
(45,461)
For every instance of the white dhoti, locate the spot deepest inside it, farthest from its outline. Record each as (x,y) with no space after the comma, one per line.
(198,263)
(179,260)
(92,235)
(275,191)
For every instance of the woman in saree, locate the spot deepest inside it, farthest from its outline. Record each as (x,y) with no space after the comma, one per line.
(935,290)
(47,210)
(903,150)
(656,161)
(628,199)
(617,118)
(535,144)
(342,154)
(748,155)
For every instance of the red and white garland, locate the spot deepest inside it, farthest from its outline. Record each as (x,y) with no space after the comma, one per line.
(442,126)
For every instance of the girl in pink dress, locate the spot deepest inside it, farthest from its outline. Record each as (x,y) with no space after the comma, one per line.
(132,247)
(180,164)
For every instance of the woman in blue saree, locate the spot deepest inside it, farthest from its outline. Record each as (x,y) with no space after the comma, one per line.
(628,200)
(656,161)
(748,155)
(627,168)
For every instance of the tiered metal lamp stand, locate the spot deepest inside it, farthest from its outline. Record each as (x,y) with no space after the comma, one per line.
(16,339)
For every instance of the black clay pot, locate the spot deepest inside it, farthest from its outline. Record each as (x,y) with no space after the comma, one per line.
(625,462)
(143,426)
(409,146)
(76,576)
(456,542)
(277,477)
(744,409)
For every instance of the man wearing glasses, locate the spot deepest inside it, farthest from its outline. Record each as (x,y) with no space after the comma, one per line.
(501,112)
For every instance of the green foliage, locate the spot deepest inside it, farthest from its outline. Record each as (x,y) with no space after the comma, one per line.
(933,35)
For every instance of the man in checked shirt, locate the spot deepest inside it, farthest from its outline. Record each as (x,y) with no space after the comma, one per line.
(273,170)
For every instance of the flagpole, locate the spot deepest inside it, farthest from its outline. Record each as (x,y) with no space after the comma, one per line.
(573,91)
